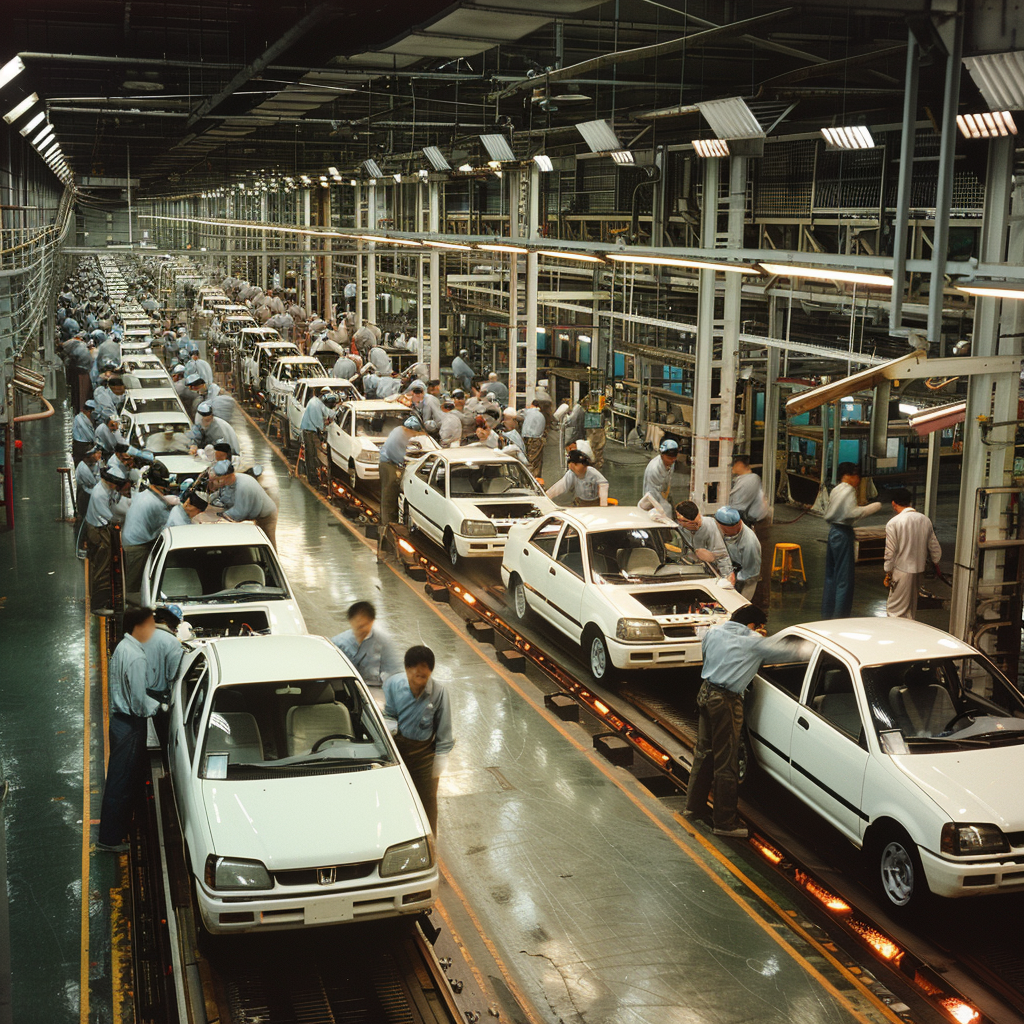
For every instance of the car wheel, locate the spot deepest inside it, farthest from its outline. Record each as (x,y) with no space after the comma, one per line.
(898,872)
(517,589)
(746,762)
(451,548)
(595,648)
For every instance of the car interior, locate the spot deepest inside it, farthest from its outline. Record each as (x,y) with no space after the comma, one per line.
(467,480)
(832,696)
(191,573)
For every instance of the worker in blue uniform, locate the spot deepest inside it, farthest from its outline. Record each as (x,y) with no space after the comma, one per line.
(143,523)
(319,411)
(83,432)
(462,371)
(369,648)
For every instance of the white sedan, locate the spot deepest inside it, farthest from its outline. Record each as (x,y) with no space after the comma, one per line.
(280,381)
(467,499)
(907,740)
(618,583)
(358,431)
(225,577)
(305,389)
(296,809)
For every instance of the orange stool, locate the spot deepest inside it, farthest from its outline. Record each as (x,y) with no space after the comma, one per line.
(787,560)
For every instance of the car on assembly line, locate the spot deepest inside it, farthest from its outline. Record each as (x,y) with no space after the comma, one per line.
(142,361)
(295,806)
(153,400)
(467,499)
(260,362)
(360,428)
(280,380)
(163,432)
(909,742)
(146,380)
(305,389)
(619,583)
(226,578)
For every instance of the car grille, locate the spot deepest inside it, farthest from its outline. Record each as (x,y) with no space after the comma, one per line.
(310,876)
(679,632)
(501,529)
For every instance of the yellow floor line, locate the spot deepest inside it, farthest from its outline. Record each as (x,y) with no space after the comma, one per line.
(83,982)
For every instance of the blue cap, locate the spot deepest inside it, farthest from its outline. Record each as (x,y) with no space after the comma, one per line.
(222,468)
(205,409)
(193,378)
(146,456)
(187,483)
(257,470)
(668,445)
(90,404)
(412,424)
(178,368)
(175,610)
(727,516)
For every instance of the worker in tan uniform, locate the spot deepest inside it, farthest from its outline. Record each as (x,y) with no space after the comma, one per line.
(910,544)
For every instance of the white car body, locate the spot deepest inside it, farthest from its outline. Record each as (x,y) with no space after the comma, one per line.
(305,389)
(360,428)
(280,381)
(147,429)
(141,361)
(467,499)
(225,577)
(163,399)
(549,567)
(827,725)
(147,380)
(260,362)
(314,843)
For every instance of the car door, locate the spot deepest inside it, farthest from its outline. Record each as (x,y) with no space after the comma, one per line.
(150,575)
(418,487)
(187,710)
(337,438)
(828,751)
(296,407)
(566,583)
(772,705)
(536,557)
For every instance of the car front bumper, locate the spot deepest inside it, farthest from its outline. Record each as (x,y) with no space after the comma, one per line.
(480,547)
(953,879)
(309,909)
(662,654)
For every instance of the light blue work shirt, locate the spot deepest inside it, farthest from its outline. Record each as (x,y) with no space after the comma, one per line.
(745,551)
(108,439)
(109,349)
(534,423)
(203,368)
(245,499)
(706,536)
(733,653)
(163,653)
(514,438)
(387,386)
(218,430)
(106,506)
(344,367)
(179,517)
(463,371)
(380,360)
(106,400)
(87,476)
(129,675)
(82,428)
(496,388)
(393,450)
(145,519)
(375,659)
(421,717)
(584,488)
(315,415)
(842,508)
(747,497)
(658,482)
(449,430)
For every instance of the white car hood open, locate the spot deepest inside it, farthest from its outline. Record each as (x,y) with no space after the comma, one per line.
(626,598)
(312,820)
(973,786)
(500,508)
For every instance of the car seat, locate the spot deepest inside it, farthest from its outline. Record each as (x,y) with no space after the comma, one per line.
(307,723)
(236,734)
(837,703)
(922,705)
(638,561)
(236,574)
(181,582)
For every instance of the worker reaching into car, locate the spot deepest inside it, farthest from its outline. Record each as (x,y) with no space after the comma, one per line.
(732,653)
(702,538)
(419,705)
(243,499)
(392,465)
(659,474)
(584,483)
(319,411)
(743,547)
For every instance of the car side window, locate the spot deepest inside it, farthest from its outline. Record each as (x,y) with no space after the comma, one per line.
(424,468)
(786,672)
(831,695)
(570,553)
(195,672)
(300,394)
(346,421)
(546,534)
(440,477)
(195,716)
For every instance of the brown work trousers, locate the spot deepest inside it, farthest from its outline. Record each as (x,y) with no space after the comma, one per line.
(99,549)
(535,455)
(390,486)
(716,756)
(418,756)
(596,439)
(134,556)
(268,524)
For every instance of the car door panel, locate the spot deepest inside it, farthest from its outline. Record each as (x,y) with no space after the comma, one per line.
(566,585)
(536,563)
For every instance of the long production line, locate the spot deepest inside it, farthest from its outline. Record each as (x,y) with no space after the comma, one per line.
(178,972)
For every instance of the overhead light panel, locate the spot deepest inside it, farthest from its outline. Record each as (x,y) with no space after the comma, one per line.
(466,168)
(334,172)
(372,168)
(44,134)
(514,249)
(679,261)
(448,245)
(498,148)
(622,156)
(709,148)
(21,108)
(398,177)
(827,274)
(599,136)
(855,136)
(423,173)
(1000,78)
(731,119)
(436,158)
(11,70)
(543,162)
(583,257)
(33,123)
(939,417)
(353,182)
(992,289)
(993,124)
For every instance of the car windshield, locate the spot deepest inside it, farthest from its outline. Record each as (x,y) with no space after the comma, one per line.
(507,479)
(295,371)
(377,425)
(172,438)
(264,730)
(231,573)
(942,703)
(642,553)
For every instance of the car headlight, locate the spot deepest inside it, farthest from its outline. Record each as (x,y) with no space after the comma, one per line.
(638,629)
(235,875)
(407,858)
(478,528)
(370,455)
(971,840)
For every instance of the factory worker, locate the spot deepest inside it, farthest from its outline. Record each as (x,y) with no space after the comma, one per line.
(110,397)
(83,432)
(264,479)
(108,505)
(659,473)
(743,547)
(485,434)
(534,430)
(380,361)
(513,440)
(185,512)
(87,476)
(392,464)
(702,537)
(388,386)
(370,649)
(584,484)
(243,499)
(200,366)
(449,429)
(319,411)
(108,435)
(344,367)
(462,371)
(210,429)
(496,388)
(145,520)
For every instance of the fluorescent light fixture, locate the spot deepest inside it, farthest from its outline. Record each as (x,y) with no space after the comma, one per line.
(825,274)
(372,168)
(709,148)
(466,168)
(423,173)
(20,109)
(33,123)
(370,238)
(992,289)
(517,250)
(993,124)
(622,156)
(495,165)
(399,241)
(570,256)
(436,158)
(49,149)
(334,172)
(498,148)
(353,182)
(938,417)
(1000,78)
(324,183)
(673,261)
(599,136)
(44,134)
(731,119)
(306,180)
(585,338)
(907,410)
(448,245)
(543,162)
(852,137)
(398,177)
(11,70)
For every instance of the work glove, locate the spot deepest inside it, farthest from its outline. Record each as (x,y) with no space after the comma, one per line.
(887,580)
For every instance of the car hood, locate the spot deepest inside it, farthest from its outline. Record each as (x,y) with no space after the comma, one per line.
(282,616)
(981,785)
(312,820)
(642,601)
(495,507)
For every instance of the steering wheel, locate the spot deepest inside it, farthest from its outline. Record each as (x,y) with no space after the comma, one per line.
(956,718)
(334,736)
(248,583)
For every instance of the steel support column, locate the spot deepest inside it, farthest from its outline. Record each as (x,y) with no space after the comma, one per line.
(306,298)
(434,359)
(730,364)
(533,232)
(906,177)
(371,258)
(361,247)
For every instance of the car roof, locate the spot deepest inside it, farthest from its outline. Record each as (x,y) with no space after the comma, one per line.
(620,517)
(882,639)
(374,405)
(472,453)
(259,330)
(278,656)
(299,359)
(204,535)
(160,416)
(323,382)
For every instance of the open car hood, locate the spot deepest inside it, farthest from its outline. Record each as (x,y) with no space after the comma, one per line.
(493,506)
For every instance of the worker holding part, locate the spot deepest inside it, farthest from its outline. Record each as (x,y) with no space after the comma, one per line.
(659,474)
(582,482)
(702,538)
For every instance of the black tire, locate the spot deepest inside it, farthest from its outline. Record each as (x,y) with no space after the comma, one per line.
(896,870)
(517,597)
(748,766)
(451,548)
(597,656)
